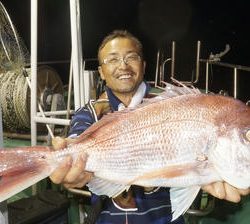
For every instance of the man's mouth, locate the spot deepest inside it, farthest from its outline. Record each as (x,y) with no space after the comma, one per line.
(124,76)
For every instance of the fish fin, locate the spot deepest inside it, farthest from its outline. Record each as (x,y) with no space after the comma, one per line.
(2,218)
(20,168)
(181,89)
(104,187)
(173,91)
(3,213)
(170,91)
(181,199)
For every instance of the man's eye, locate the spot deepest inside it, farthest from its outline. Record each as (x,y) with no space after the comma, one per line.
(133,58)
(113,60)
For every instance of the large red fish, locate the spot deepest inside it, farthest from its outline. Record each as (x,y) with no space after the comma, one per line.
(182,142)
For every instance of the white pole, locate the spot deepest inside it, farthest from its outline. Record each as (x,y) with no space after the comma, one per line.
(75,53)
(80,58)
(235,83)
(33,62)
(47,120)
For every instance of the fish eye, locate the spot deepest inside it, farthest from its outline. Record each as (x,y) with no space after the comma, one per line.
(247,135)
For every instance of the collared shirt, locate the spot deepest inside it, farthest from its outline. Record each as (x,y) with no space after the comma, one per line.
(115,103)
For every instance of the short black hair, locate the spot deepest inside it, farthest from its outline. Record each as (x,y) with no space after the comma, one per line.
(120,34)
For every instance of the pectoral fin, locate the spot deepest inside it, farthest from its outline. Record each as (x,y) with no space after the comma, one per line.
(181,199)
(104,187)
(2,218)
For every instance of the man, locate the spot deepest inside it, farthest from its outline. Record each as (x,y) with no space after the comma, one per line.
(122,67)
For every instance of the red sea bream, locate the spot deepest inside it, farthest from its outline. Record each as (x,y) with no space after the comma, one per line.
(182,142)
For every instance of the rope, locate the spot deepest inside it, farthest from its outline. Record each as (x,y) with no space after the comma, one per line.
(14,101)
(21,99)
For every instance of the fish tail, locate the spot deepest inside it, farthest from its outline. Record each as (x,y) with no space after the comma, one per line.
(22,167)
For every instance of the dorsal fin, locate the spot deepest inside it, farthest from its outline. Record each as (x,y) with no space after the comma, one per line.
(170,91)
(173,90)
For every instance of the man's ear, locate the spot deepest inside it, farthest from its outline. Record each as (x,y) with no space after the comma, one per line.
(100,72)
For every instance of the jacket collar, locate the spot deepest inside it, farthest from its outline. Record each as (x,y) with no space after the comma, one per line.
(115,102)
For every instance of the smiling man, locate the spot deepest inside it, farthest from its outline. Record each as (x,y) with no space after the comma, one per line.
(121,65)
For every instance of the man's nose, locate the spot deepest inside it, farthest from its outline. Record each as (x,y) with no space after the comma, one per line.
(123,63)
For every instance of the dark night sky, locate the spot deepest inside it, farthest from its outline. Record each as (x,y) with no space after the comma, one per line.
(157,23)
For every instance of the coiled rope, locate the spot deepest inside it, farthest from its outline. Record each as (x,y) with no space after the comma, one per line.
(15,100)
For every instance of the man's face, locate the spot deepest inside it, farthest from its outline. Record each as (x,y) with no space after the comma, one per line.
(121,77)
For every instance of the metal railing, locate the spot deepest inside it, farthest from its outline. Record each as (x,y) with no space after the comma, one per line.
(76,68)
(212,60)
(234,67)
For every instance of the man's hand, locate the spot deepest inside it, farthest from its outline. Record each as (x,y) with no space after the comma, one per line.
(70,174)
(223,190)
